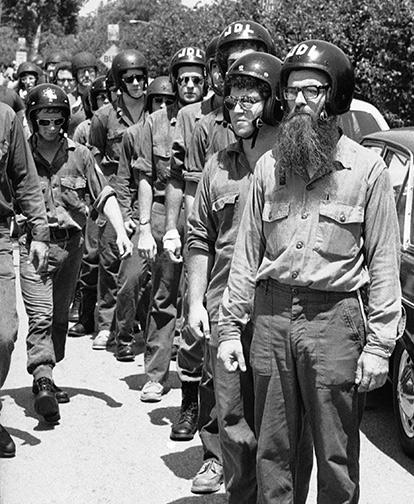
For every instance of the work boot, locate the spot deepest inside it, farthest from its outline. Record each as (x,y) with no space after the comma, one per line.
(7,446)
(124,352)
(45,403)
(75,306)
(186,426)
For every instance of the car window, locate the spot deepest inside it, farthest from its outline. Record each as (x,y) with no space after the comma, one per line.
(356,124)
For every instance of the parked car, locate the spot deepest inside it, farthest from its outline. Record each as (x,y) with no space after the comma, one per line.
(396,146)
(362,119)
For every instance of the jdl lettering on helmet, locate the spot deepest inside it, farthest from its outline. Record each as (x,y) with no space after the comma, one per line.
(239,28)
(190,52)
(302,49)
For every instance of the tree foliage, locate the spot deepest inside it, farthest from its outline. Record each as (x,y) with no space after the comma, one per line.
(376,34)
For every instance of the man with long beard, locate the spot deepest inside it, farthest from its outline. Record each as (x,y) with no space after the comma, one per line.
(318,234)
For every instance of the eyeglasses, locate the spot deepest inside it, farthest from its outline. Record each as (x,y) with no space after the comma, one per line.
(159,100)
(185,80)
(48,122)
(245,102)
(61,81)
(309,92)
(130,79)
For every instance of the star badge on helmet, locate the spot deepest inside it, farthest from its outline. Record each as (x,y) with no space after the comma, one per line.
(50,94)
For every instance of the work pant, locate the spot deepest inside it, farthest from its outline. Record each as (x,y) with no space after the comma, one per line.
(109,263)
(88,279)
(9,323)
(304,354)
(234,394)
(131,300)
(162,313)
(47,299)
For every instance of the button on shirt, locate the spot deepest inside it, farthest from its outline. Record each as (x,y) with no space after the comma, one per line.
(19,183)
(216,214)
(349,239)
(155,156)
(187,117)
(211,134)
(65,181)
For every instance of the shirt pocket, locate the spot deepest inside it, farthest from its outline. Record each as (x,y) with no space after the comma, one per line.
(275,220)
(339,233)
(224,208)
(73,192)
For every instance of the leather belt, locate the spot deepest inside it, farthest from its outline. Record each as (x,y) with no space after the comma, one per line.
(61,234)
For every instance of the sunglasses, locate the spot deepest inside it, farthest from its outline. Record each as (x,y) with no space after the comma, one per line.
(309,92)
(62,81)
(185,80)
(160,100)
(130,79)
(48,122)
(245,102)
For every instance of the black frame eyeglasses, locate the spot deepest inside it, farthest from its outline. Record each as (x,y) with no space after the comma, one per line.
(309,92)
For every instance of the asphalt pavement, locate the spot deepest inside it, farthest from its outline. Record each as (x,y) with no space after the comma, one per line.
(110,448)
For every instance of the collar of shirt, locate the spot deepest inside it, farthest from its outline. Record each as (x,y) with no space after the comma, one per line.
(66,144)
(123,113)
(237,149)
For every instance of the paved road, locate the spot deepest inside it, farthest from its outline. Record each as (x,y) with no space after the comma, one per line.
(110,448)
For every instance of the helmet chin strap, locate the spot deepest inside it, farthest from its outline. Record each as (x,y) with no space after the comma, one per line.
(257,123)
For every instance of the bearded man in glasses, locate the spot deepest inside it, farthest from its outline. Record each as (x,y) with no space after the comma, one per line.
(318,243)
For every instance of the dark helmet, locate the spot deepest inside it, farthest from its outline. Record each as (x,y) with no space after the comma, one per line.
(56,57)
(30,68)
(188,56)
(98,86)
(327,58)
(83,59)
(265,68)
(127,60)
(240,31)
(160,86)
(47,96)
(38,60)
(211,51)
(63,65)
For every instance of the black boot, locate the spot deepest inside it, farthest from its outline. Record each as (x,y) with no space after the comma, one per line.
(75,306)
(186,426)
(45,402)
(7,446)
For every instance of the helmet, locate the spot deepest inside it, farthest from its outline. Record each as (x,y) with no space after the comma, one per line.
(160,86)
(211,51)
(263,67)
(29,67)
(240,31)
(187,56)
(98,86)
(127,60)
(38,60)
(83,59)
(47,96)
(56,57)
(327,58)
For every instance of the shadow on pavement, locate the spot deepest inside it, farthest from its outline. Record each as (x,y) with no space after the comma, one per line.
(378,425)
(164,416)
(185,464)
(202,499)
(23,397)
(27,438)
(137,381)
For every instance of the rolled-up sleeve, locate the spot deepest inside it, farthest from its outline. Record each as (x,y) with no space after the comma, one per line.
(237,302)
(125,182)
(202,232)
(178,150)
(382,253)
(98,187)
(196,153)
(21,170)
(97,136)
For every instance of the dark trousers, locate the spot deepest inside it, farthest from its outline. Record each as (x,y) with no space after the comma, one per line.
(109,263)
(131,300)
(47,300)
(162,313)
(234,394)
(304,353)
(88,280)
(9,323)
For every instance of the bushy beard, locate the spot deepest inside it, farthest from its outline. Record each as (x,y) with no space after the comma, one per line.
(306,146)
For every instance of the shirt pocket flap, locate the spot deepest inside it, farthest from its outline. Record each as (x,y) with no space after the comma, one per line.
(275,211)
(228,199)
(342,213)
(72,182)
